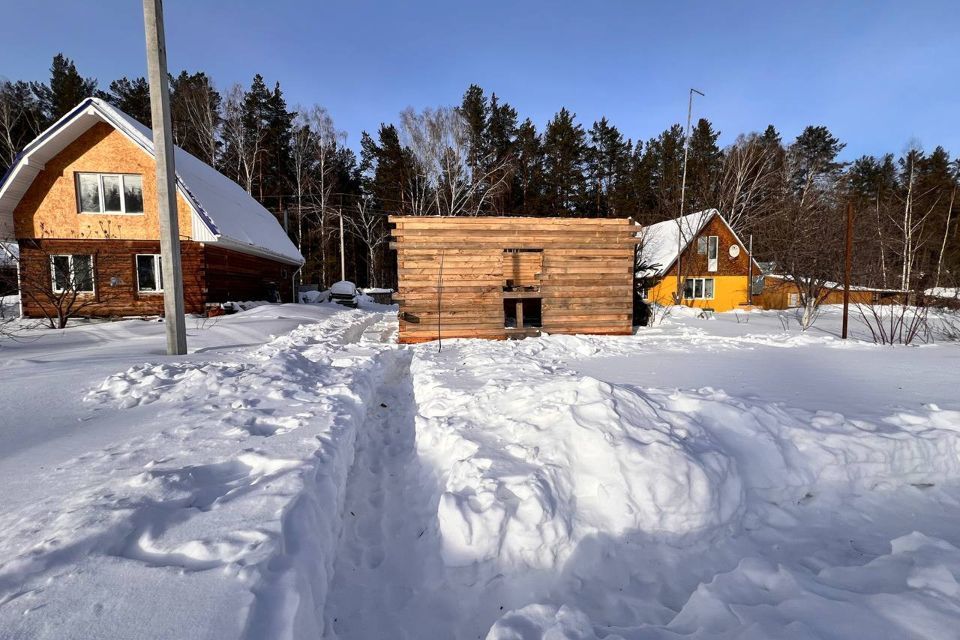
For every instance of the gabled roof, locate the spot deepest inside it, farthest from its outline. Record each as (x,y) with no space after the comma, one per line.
(222,211)
(664,241)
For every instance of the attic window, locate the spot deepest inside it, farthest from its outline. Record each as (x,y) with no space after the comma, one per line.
(109,193)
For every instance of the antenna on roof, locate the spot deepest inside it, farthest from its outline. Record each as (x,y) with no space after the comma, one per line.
(683,192)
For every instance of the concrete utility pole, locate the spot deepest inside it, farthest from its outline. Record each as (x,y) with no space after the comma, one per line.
(683,192)
(847,264)
(166,179)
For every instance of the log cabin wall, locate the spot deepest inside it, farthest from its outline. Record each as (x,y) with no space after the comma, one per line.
(233,276)
(499,277)
(114,276)
(210,275)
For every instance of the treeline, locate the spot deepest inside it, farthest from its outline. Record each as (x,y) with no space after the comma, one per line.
(480,158)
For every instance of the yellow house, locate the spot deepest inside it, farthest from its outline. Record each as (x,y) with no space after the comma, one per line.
(714,265)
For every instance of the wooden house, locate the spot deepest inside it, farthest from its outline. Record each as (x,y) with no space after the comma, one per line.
(81,203)
(781,292)
(502,277)
(714,265)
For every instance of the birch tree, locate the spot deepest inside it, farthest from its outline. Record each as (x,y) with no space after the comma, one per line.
(370,227)
(244,143)
(448,182)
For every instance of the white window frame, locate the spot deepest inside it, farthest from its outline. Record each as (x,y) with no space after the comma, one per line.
(158,273)
(73,279)
(123,193)
(703,288)
(714,262)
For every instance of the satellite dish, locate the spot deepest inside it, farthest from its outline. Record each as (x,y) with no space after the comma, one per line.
(734,250)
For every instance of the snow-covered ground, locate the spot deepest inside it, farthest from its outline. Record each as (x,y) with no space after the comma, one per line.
(721,478)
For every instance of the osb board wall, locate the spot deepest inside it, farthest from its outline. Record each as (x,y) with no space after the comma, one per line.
(49,208)
(585,279)
(693,263)
(115,276)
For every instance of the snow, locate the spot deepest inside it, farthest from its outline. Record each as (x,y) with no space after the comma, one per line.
(343,288)
(729,477)
(943,292)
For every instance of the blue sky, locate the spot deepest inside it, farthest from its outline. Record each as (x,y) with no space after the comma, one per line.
(878,74)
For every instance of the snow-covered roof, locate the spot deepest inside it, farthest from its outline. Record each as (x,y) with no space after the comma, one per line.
(222,211)
(828,284)
(660,245)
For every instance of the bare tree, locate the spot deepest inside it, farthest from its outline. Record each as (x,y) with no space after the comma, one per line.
(371,229)
(314,148)
(748,182)
(196,108)
(245,144)
(449,181)
(20,119)
(61,287)
(955,178)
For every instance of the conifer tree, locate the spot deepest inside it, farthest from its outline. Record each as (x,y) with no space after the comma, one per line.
(564,159)
(704,167)
(475,111)
(663,162)
(66,90)
(608,167)
(132,97)
(278,126)
(528,182)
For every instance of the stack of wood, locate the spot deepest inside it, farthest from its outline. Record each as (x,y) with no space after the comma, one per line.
(500,277)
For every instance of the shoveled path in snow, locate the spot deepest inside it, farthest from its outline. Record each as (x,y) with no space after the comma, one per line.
(217,516)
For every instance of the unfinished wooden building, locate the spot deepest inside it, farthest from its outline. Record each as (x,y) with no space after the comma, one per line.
(500,277)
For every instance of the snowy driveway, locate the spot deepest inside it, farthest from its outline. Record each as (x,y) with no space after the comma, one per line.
(331,484)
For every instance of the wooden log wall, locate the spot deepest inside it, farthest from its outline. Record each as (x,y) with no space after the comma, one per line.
(580,268)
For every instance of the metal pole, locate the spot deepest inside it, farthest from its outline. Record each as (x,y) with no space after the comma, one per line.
(343,262)
(750,272)
(173,309)
(683,192)
(847,262)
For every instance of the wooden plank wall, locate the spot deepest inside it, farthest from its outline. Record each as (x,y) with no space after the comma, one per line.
(523,268)
(585,274)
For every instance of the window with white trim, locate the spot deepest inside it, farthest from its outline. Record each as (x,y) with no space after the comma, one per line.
(109,193)
(149,273)
(71,273)
(698,288)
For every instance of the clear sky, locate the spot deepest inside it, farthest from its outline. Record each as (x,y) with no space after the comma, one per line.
(878,73)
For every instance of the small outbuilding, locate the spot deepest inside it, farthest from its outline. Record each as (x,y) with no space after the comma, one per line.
(781,292)
(504,277)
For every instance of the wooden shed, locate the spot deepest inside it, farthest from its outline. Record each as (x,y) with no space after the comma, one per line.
(503,277)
